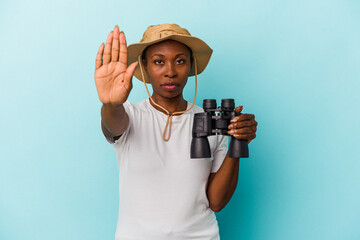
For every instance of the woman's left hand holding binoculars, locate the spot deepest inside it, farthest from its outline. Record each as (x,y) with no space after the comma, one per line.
(243,126)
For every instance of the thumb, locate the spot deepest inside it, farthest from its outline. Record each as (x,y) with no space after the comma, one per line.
(130,71)
(239,109)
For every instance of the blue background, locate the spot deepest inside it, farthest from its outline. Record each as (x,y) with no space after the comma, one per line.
(294,64)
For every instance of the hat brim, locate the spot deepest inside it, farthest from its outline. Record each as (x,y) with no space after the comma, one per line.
(200,49)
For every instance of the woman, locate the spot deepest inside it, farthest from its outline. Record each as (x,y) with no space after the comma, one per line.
(164,194)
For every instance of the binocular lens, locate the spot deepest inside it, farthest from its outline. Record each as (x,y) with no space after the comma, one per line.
(209,104)
(200,148)
(228,104)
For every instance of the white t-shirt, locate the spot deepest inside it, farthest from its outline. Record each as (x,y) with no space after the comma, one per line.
(162,191)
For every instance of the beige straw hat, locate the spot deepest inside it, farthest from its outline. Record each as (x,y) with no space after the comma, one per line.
(157,33)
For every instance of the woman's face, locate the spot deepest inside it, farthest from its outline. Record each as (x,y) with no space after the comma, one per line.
(168,66)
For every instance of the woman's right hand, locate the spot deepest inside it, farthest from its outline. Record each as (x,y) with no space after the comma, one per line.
(113,78)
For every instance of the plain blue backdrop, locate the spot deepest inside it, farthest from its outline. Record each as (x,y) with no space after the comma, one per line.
(294,64)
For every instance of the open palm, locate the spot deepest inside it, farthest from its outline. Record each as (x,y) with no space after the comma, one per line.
(113,78)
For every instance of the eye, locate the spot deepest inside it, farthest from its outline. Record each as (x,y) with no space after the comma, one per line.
(157,61)
(181,61)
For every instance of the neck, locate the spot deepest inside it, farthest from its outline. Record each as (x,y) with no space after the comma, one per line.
(176,104)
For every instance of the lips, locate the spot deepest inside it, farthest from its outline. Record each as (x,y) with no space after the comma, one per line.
(169,86)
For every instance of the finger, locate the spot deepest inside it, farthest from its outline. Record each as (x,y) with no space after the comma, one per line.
(115,45)
(130,72)
(123,49)
(239,109)
(242,124)
(243,117)
(245,136)
(107,53)
(243,130)
(98,61)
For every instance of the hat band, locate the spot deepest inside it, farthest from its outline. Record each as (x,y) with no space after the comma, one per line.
(163,33)
(170,115)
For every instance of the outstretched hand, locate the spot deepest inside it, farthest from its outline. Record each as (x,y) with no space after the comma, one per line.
(243,126)
(113,78)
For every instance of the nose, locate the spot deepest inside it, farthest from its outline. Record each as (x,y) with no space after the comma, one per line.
(170,70)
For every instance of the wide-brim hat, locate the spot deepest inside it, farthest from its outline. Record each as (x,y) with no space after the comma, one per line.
(157,33)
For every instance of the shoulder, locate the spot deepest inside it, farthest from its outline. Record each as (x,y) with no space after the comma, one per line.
(195,109)
(198,109)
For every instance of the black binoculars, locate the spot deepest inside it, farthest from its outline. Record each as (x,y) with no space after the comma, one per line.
(210,123)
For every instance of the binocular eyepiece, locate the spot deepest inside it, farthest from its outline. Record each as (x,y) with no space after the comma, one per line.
(215,120)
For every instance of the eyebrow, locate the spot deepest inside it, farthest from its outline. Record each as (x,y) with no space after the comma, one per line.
(158,54)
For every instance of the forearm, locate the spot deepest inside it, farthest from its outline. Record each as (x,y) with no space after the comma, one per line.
(114,120)
(223,184)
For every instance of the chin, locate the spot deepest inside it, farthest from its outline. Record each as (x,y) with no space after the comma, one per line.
(171,95)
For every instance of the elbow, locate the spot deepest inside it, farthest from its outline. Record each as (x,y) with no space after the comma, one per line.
(215,208)
(216,203)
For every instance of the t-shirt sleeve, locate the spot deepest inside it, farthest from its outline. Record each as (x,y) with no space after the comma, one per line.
(129,110)
(219,152)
